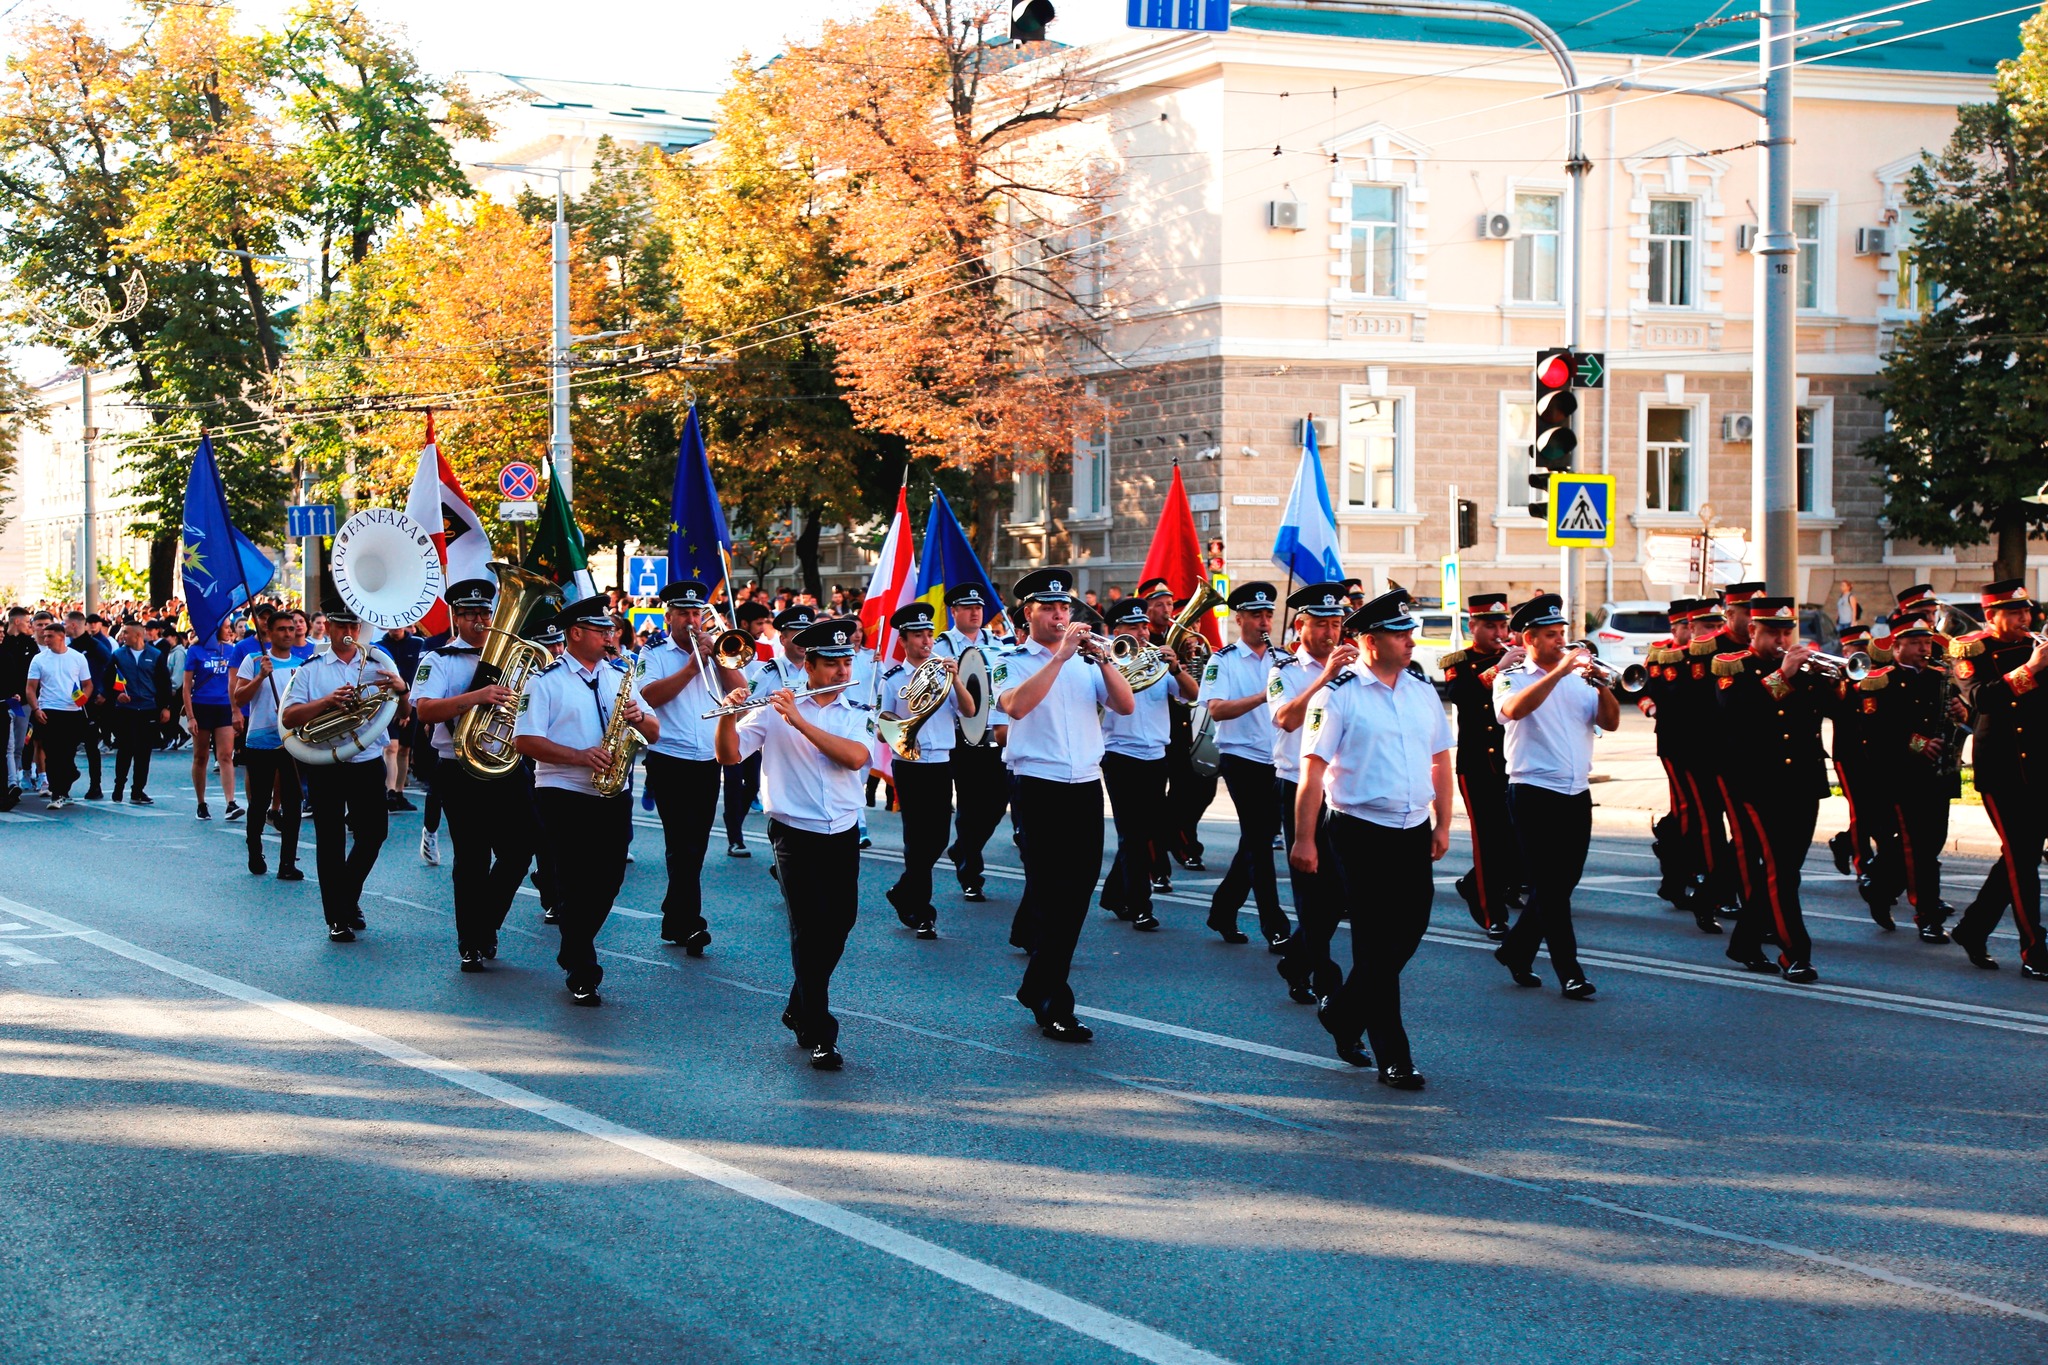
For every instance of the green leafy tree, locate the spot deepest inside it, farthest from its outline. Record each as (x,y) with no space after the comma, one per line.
(18,410)
(1966,385)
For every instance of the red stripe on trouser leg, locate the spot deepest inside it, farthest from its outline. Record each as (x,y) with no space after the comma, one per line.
(1771,882)
(2021,920)
(1912,864)
(1478,866)
(1855,829)
(1679,807)
(1735,832)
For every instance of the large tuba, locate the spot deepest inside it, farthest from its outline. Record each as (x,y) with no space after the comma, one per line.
(387,570)
(1181,635)
(621,743)
(482,735)
(925,693)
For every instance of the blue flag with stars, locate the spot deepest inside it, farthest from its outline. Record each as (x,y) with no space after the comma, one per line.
(221,568)
(696,523)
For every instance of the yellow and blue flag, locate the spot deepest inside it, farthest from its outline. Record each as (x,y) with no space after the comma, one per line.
(949,560)
(696,523)
(220,567)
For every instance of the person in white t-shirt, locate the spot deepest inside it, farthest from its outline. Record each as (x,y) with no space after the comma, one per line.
(59,686)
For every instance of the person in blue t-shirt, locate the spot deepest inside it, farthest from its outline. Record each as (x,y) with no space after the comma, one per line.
(208,666)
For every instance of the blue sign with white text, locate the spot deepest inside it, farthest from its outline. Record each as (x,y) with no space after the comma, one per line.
(1200,16)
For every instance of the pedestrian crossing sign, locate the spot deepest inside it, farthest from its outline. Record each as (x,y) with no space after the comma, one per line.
(1582,510)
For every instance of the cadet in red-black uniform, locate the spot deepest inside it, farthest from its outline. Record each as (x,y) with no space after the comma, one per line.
(1773,775)
(1917,602)
(1699,763)
(1914,712)
(1999,670)
(1685,722)
(1863,764)
(1854,848)
(1482,764)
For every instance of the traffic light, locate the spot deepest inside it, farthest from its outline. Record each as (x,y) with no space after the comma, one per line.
(1468,523)
(1028,19)
(1554,438)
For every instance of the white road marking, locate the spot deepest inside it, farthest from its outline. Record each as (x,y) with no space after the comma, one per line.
(1125,1334)
(616,909)
(1215,1039)
(23,957)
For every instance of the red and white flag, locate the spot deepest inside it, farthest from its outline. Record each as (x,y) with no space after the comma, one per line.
(894,582)
(438,503)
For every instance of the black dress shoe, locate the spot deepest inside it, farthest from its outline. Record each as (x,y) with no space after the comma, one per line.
(1578,988)
(1162,886)
(1402,1077)
(490,953)
(1522,975)
(927,929)
(340,933)
(95,794)
(1122,912)
(973,893)
(696,941)
(1230,932)
(1145,921)
(355,920)
(1933,933)
(1801,973)
(472,960)
(142,799)
(257,867)
(1704,918)
(1975,950)
(738,851)
(1300,995)
(550,916)
(1066,1030)
(1497,933)
(585,995)
(1757,963)
(1470,892)
(1841,848)
(1353,1054)
(2032,973)
(825,1057)
(290,873)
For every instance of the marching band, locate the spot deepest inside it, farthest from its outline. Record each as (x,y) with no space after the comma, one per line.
(1330,742)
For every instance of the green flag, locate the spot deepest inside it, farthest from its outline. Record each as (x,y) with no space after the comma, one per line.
(557,551)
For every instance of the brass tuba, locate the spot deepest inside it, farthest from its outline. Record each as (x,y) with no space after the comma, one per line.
(1181,635)
(925,693)
(482,735)
(621,743)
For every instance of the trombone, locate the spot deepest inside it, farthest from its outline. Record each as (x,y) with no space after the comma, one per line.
(756,703)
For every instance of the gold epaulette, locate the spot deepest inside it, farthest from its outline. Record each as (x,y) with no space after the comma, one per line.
(1705,646)
(1728,665)
(1456,656)
(1876,680)
(1966,646)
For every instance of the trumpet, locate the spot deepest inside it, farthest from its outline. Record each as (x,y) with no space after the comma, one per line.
(1854,667)
(756,703)
(1632,679)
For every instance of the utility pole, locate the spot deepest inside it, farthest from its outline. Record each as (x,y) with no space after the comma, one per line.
(1778,250)
(88,570)
(560,455)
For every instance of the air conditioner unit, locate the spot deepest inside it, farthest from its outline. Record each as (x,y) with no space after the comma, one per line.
(1745,236)
(1873,241)
(1283,213)
(1737,426)
(1496,227)
(1322,433)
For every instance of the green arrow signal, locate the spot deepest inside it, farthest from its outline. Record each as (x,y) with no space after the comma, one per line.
(1592,371)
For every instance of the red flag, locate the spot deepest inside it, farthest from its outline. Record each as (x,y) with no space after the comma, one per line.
(893,583)
(1176,554)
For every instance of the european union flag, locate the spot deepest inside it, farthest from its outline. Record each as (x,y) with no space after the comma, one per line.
(221,568)
(696,523)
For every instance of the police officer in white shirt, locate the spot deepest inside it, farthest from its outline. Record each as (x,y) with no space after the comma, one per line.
(1550,708)
(682,766)
(1134,771)
(1053,688)
(924,783)
(1379,746)
(786,668)
(490,819)
(981,783)
(348,797)
(814,751)
(1298,679)
(1234,690)
(563,714)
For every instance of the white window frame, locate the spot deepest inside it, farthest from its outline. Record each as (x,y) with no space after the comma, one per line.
(1404,453)
(1822,406)
(1697,472)
(1515,463)
(1564,228)
(1399,250)
(1695,278)
(1028,490)
(1824,252)
(1091,472)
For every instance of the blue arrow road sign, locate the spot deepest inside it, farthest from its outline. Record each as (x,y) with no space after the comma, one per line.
(309,519)
(1582,510)
(1201,16)
(645,574)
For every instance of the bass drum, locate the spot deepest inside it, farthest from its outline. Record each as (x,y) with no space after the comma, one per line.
(1203,755)
(973,668)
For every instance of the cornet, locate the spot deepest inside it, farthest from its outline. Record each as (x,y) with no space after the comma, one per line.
(1634,678)
(1839,667)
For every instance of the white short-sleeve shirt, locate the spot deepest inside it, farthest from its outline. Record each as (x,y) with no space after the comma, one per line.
(685,733)
(1290,676)
(59,678)
(265,730)
(1235,671)
(800,786)
(322,673)
(571,705)
(1144,732)
(1060,740)
(1552,746)
(935,736)
(1379,742)
(444,672)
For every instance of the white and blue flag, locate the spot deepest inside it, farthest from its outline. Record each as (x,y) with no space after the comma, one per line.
(1307,546)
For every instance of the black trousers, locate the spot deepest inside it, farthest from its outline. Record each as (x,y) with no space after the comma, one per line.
(1137,802)
(1254,791)
(135,735)
(1062,860)
(1188,799)
(494,830)
(1919,831)
(685,793)
(1772,834)
(1718,857)
(742,785)
(96,724)
(60,734)
(1552,831)
(547,880)
(2021,819)
(820,879)
(264,769)
(1873,829)
(925,793)
(1496,858)
(348,799)
(426,761)
(981,790)
(1305,958)
(595,830)
(1388,886)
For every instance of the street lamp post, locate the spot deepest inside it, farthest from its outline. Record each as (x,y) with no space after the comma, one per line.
(302,477)
(560,456)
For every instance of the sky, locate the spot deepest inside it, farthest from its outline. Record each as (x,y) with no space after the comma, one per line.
(688,45)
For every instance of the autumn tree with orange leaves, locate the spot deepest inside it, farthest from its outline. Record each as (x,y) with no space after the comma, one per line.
(971,305)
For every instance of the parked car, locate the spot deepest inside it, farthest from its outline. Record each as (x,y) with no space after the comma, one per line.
(1624,630)
(1433,641)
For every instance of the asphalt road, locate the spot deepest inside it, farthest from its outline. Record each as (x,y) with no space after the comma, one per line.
(223,1139)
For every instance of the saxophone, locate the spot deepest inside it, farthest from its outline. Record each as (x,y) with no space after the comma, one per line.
(621,741)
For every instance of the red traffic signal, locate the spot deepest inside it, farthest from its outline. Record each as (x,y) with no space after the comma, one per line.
(1555,403)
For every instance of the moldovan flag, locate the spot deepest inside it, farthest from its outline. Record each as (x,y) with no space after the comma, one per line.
(894,581)
(1176,554)
(438,503)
